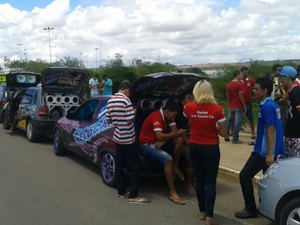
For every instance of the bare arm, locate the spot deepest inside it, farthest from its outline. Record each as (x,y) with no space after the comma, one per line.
(222,129)
(167,136)
(270,144)
(241,97)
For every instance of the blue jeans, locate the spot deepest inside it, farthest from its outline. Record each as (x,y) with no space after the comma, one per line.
(235,115)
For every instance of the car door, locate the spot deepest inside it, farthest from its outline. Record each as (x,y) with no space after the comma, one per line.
(81,137)
(26,107)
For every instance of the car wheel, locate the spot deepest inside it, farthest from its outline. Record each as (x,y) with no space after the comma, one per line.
(5,123)
(290,213)
(108,168)
(58,143)
(31,134)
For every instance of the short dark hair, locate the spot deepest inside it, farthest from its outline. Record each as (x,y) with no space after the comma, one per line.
(275,66)
(236,73)
(171,105)
(125,84)
(104,76)
(265,83)
(244,69)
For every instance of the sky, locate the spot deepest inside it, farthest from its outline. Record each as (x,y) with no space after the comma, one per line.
(181,32)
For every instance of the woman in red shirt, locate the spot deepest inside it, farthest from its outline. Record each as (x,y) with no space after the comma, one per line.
(207,121)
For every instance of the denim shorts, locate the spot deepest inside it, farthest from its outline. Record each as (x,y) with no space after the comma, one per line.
(155,154)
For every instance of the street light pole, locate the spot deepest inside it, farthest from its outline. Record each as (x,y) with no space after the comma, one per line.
(49,29)
(20,51)
(96,55)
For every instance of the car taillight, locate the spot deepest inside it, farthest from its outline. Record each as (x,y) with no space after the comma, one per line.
(43,110)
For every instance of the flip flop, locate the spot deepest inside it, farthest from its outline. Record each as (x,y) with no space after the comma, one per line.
(177,201)
(138,200)
(202,216)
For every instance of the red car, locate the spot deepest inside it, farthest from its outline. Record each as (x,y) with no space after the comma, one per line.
(86,133)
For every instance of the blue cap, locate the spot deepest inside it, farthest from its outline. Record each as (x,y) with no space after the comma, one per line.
(288,71)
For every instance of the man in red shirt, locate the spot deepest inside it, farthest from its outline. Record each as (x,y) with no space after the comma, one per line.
(248,85)
(159,138)
(236,104)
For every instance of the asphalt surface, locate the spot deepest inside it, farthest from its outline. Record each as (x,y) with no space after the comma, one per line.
(39,188)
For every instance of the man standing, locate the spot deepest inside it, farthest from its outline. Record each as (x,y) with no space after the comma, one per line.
(236,104)
(121,114)
(159,138)
(93,84)
(248,86)
(287,77)
(268,145)
(107,85)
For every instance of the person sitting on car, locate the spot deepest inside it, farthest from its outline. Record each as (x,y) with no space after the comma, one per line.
(159,139)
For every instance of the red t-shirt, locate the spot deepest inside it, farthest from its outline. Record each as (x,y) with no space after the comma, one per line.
(154,122)
(248,85)
(234,88)
(203,120)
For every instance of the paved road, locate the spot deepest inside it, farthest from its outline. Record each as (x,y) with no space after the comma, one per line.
(39,188)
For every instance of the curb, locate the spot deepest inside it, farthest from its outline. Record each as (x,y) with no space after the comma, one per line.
(233,175)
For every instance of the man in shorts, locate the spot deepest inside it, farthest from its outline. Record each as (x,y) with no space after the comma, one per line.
(159,138)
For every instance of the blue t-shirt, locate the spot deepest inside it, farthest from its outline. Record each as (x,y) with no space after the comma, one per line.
(269,114)
(107,90)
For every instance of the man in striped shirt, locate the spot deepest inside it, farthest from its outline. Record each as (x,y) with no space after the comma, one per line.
(121,114)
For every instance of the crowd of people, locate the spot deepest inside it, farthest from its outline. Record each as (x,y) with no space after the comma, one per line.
(168,135)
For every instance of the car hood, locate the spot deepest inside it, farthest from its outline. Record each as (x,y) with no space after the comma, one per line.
(63,78)
(22,79)
(165,84)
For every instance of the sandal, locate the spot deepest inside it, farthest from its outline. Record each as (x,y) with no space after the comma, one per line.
(253,137)
(202,216)
(138,200)
(178,201)
(10,132)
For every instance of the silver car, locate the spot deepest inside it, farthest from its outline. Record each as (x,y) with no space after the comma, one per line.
(279,192)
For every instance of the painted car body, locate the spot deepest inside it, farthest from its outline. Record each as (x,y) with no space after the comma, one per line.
(279,192)
(39,107)
(12,83)
(87,134)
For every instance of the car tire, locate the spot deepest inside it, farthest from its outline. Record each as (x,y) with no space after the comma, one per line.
(58,143)
(290,212)
(5,122)
(108,167)
(31,134)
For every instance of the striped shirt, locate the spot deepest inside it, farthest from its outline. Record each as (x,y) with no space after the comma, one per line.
(121,114)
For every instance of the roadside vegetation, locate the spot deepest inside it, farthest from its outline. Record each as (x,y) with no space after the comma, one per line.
(118,71)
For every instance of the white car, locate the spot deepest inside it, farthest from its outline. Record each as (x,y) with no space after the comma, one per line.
(279,192)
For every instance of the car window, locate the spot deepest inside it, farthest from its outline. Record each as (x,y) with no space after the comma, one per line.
(29,95)
(86,111)
(101,108)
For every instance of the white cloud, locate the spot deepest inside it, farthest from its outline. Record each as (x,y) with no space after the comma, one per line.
(175,31)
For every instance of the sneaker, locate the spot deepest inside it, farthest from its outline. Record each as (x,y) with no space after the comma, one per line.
(237,142)
(245,214)
(138,200)
(123,195)
(226,139)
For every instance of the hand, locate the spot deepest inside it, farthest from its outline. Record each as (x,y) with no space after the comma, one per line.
(269,159)
(180,132)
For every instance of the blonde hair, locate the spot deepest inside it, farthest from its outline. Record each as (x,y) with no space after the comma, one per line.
(203,93)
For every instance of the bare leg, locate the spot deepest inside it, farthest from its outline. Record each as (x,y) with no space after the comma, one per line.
(189,181)
(179,143)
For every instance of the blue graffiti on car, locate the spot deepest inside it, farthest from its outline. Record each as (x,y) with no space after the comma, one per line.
(83,135)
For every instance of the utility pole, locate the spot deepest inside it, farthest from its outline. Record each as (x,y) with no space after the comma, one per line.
(49,29)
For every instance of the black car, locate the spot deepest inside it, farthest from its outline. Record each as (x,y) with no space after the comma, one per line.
(86,133)
(39,107)
(12,83)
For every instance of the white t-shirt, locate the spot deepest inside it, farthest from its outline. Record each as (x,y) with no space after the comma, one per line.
(94,90)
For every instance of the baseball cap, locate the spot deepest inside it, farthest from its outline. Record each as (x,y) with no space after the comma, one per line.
(288,71)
